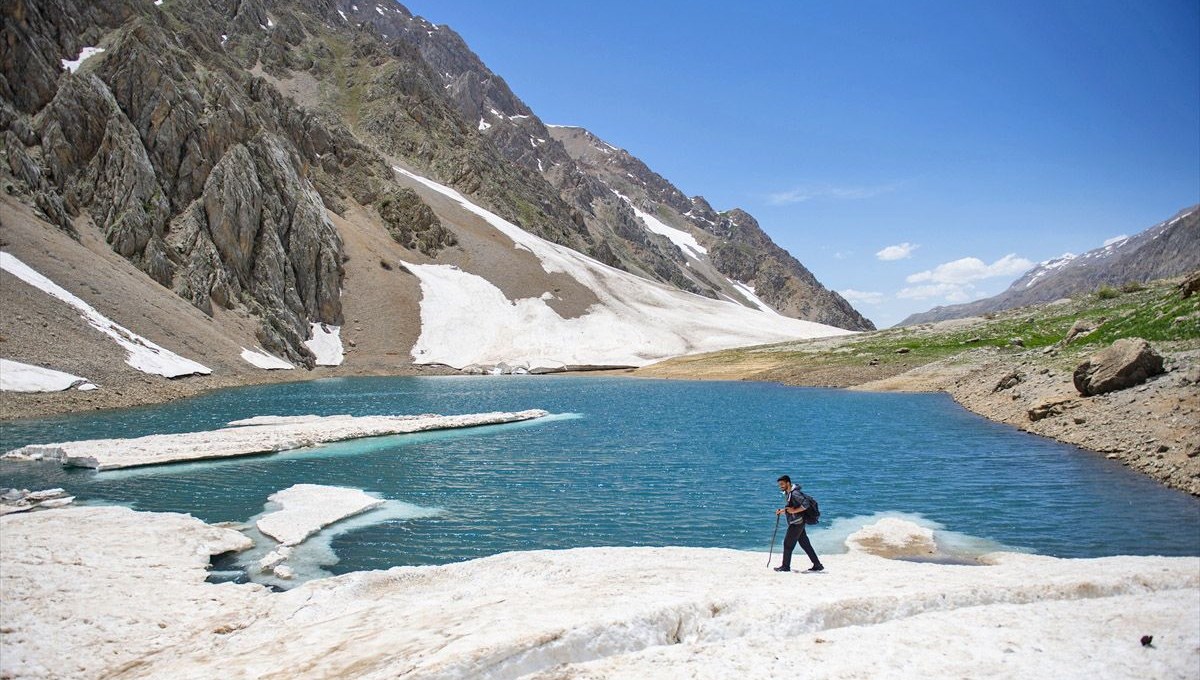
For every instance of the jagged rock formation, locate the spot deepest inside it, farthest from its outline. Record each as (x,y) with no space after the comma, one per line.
(1168,249)
(413,224)
(213,144)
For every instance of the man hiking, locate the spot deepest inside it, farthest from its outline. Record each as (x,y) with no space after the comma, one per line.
(795,503)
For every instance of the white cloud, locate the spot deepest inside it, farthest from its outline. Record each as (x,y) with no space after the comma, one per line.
(970,269)
(955,281)
(826,191)
(900,251)
(951,292)
(861,296)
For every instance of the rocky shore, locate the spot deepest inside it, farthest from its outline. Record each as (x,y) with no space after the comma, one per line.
(1152,427)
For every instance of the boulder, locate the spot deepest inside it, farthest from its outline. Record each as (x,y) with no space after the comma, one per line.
(1049,408)
(1010,380)
(1080,328)
(1190,285)
(1127,362)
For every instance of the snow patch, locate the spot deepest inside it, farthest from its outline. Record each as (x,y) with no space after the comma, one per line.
(304,509)
(681,238)
(272,564)
(251,436)
(748,291)
(484,125)
(326,344)
(262,359)
(466,320)
(144,355)
(86,53)
(19,377)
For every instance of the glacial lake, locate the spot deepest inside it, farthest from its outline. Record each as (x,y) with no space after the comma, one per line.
(631,462)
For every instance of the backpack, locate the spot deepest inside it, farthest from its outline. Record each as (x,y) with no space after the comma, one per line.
(813,514)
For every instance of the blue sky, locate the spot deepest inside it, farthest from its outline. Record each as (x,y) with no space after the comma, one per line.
(986,136)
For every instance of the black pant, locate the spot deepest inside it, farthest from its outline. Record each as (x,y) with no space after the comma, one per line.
(796,533)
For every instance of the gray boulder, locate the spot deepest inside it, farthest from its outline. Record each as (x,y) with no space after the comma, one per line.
(1127,362)
(1079,329)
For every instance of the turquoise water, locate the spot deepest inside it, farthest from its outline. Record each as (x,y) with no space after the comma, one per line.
(636,462)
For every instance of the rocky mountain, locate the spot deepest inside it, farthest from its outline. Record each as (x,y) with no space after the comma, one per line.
(287,167)
(1170,248)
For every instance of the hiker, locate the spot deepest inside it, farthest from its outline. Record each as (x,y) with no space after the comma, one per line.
(795,505)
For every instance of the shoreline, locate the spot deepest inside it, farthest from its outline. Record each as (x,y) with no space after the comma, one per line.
(1150,428)
(1153,428)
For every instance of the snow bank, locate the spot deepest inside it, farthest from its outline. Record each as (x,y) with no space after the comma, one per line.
(326,344)
(144,355)
(86,53)
(18,377)
(88,590)
(685,241)
(241,440)
(263,359)
(749,293)
(305,509)
(466,320)
(893,537)
(94,592)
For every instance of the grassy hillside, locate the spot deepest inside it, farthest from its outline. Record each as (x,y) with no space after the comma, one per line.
(1155,311)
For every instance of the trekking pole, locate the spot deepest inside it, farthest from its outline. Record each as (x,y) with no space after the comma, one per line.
(771,552)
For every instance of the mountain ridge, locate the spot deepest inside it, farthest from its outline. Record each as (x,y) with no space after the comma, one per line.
(241,158)
(1169,248)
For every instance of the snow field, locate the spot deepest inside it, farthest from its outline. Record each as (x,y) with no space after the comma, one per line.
(466,320)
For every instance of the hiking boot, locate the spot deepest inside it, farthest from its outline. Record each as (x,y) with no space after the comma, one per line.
(783,569)
(817,567)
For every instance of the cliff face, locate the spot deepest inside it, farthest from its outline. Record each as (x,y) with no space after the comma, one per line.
(1169,248)
(200,174)
(221,147)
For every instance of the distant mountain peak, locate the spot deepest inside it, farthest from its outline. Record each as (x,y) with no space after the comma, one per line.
(1169,248)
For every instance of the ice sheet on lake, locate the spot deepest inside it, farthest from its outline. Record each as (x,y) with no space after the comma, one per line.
(305,509)
(96,591)
(241,440)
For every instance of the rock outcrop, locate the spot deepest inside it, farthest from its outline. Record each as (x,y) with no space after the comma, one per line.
(233,152)
(1125,363)
(413,224)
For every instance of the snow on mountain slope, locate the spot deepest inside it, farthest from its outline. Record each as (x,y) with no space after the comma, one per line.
(679,237)
(467,320)
(143,354)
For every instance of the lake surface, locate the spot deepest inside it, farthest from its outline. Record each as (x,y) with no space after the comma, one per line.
(635,462)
